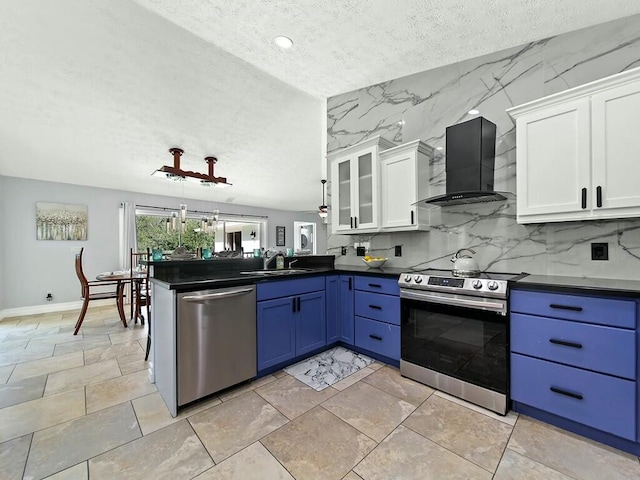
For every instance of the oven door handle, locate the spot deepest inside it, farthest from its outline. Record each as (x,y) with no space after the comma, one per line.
(496,306)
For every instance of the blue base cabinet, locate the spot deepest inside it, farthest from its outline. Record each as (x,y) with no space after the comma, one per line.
(574,363)
(377,316)
(346,313)
(290,319)
(276,332)
(332,310)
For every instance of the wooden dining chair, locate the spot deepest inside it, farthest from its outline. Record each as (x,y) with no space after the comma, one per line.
(86,287)
(141,293)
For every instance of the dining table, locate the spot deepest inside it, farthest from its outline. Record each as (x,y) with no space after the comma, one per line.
(122,278)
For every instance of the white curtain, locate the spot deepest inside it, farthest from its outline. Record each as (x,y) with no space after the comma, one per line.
(128,237)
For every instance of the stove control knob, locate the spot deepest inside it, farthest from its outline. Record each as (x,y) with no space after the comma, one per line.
(407,278)
(477,284)
(493,285)
(418,279)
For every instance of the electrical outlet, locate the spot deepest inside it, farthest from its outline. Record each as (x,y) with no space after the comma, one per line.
(49,296)
(360,251)
(398,250)
(343,250)
(599,251)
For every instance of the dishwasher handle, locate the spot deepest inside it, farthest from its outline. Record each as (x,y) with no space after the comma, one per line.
(217,296)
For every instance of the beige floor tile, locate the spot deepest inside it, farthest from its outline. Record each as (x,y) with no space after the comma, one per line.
(98,327)
(77,472)
(280,374)
(5,373)
(84,438)
(352,476)
(117,390)
(132,367)
(85,344)
(318,445)
(153,414)
(372,411)
(233,425)
(170,453)
(514,466)
(510,418)
(13,345)
(13,457)
(465,432)
(376,365)
(405,454)
(47,365)
(246,387)
(107,353)
(253,463)
(55,338)
(388,379)
(27,354)
(571,454)
(128,336)
(45,412)
(353,378)
(80,376)
(22,391)
(292,397)
(26,334)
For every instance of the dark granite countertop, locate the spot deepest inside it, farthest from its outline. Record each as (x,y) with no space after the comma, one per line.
(606,286)
(189,280)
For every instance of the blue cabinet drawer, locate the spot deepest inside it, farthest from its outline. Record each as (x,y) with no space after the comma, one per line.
(385,308)
(603,311)
(275,288)
(595,347)
(377,285)
(378,337)
(600,401)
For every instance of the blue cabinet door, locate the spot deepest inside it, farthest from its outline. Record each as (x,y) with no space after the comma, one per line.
(276,331)
(332,310)
(311,327)
(347,316)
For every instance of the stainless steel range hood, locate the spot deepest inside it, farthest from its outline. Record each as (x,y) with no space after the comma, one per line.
(470,150)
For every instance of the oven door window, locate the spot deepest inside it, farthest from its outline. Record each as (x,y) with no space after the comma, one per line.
(467,344)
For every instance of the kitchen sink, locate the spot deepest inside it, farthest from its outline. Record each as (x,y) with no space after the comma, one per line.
(268,273)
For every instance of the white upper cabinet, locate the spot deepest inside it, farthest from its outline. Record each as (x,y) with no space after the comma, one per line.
(578,154)
(404,173)
(355,187)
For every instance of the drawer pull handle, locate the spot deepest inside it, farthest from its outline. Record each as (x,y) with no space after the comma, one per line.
(565,343)
(375,337)
(584,198)
(375,285)
(375,307)
(566,393)
(565,307)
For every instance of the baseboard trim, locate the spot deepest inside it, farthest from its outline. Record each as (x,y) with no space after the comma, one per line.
(51,308)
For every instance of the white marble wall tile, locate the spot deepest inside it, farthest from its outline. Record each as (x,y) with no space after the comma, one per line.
(591,53)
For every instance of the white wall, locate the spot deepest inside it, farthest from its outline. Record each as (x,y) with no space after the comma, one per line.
(29,268)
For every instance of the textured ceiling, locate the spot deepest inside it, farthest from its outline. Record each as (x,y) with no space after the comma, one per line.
(94,92)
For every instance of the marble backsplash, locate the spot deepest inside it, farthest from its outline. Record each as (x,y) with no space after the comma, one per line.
(422,105)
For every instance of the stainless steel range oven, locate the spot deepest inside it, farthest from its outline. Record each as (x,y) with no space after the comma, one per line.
(455,334)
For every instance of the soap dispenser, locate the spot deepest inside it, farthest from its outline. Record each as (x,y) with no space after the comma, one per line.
(279,261)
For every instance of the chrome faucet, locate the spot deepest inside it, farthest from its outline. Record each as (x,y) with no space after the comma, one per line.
(292,262)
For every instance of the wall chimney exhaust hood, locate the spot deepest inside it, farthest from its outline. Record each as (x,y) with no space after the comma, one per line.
(470,159)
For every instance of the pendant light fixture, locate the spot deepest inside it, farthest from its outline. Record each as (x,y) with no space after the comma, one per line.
(323,210)
(177,174)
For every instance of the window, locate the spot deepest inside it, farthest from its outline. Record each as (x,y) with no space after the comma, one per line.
(233,234)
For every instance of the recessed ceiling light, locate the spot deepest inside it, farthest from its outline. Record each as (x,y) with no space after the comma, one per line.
(474,111)
(283,42)
(439,148)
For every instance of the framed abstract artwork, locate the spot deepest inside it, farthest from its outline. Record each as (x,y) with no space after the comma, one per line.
(61,221)
(280,240)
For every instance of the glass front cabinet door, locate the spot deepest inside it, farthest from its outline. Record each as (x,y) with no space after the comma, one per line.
(355,187)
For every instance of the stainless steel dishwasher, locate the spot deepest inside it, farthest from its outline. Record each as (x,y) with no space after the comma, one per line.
(216,340)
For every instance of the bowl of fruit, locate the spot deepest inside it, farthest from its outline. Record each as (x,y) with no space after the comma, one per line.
(374,262)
